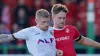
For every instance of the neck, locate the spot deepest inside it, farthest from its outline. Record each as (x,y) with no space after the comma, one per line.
(57,27)
(40,28)
(37,26)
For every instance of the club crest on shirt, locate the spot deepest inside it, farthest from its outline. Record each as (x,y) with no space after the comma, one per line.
(67,30)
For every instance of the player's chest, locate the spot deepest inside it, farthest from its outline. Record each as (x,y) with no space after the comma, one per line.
(42,38)
(64,36)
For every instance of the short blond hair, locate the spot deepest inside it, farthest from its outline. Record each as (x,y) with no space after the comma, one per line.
(42,13)
(58,8)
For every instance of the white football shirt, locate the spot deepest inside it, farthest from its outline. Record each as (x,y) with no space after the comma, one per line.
(39,43)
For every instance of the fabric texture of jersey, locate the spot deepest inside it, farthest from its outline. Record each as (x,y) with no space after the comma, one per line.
(65,40)
(39,43)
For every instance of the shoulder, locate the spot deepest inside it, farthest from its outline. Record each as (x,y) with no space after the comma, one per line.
(50,28)
(29,29)
(32,28)
(70,27)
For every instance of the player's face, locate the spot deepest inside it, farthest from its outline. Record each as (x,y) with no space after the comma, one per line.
(59,19)
(43,23)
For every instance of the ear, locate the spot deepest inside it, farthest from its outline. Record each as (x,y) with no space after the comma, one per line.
(36,20)
(52,17)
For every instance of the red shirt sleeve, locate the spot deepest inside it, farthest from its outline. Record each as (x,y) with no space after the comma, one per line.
(77,34)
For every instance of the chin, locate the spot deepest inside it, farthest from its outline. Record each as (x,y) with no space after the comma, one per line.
(45,29)
(61,26)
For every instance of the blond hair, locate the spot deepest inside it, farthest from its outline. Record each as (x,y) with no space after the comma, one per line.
(42,13)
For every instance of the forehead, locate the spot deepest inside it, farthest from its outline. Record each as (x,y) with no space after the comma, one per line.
(61,14)
(44,19)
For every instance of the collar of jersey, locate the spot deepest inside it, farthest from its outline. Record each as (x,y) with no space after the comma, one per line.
(57,28)
(40,29)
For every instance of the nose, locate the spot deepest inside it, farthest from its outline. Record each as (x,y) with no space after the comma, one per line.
(62,20)
(47,24)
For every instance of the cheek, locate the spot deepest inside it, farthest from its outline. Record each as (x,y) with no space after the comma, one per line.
(42,24)
(65,20)
(56,20)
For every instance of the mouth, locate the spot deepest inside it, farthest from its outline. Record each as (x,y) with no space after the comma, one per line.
(61,23)
(45,29)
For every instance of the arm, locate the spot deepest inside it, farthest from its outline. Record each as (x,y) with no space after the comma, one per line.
(88,42)
(6,37)
(22,34)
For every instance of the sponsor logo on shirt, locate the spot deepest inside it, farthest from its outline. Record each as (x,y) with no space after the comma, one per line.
(37,33)
(45,40)
(63,38)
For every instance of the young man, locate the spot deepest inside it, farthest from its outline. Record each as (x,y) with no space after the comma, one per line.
(66,35)
(39,39)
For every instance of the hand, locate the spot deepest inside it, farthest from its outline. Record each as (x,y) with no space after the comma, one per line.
(59,52)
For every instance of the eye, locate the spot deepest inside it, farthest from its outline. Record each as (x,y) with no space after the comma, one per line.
(46,22)
(60,17)
(64,18)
